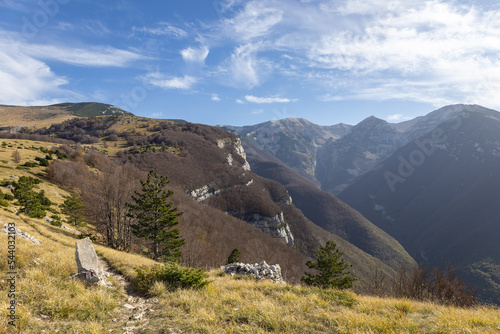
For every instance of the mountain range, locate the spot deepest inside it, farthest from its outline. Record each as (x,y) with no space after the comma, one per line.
(431,182)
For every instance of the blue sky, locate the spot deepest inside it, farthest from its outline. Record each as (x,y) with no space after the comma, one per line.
(244,62)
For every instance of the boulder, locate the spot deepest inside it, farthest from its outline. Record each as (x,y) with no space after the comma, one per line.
(88,264)
(86,257)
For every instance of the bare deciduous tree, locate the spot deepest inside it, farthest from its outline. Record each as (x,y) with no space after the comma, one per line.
(16,156)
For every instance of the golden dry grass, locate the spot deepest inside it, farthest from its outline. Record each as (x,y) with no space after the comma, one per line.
(33,117)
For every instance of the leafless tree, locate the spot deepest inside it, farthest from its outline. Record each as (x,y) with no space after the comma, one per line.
(106,196)
(16,156)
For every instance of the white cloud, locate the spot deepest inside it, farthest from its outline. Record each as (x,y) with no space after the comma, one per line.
(163,29)
(426,51)
(257,111)
(28,81)
(215,98)
(244,68)
(253,21)
(168,82)
(101,56)
(240,101)
(195,55)
(395,118)
(261,100)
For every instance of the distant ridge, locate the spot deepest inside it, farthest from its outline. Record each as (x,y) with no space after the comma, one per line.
(89,109)
(44,116)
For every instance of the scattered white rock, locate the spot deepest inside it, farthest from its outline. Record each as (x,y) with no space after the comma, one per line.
(9,230)
(69,229)
(260,271)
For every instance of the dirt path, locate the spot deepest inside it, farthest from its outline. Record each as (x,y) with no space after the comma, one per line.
(134,314)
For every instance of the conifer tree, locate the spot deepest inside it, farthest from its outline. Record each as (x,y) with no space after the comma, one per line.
(332,269)
(234,257)
(74,209)
(156,218)
(33,204)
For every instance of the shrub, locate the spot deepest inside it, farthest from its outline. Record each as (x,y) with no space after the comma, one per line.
(6,197)
(42,161)
(30,164)
(56,220)
(173,275)
(4,203)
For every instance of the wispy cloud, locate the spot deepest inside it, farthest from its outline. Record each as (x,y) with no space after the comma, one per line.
(255,20)
(215,98)
(13,4)
(162,29)
(26,80)
(427,51)
(262,100)
(89,27)
(170,82)
(97,56)
(244,68)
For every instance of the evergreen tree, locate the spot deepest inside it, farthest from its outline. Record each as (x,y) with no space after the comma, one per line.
(234,257)
(74,209)
(156,218)
(33,204)
(332,269)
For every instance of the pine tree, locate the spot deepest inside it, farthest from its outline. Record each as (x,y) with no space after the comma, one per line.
(33,204)
(332,269)
(74,209)
(156,218)
(234,257)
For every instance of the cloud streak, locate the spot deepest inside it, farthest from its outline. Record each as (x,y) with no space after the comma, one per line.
(162,29)
(267,100)
(169,82)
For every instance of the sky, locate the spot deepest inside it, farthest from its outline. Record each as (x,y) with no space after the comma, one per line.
(237,62)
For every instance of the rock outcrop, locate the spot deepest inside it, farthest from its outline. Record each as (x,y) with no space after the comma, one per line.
(237,148)
(275,226)
(260,271)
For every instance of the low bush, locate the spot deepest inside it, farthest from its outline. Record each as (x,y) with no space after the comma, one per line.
(173,275)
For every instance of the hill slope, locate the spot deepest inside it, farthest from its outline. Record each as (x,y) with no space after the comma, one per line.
(16,116)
